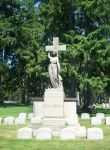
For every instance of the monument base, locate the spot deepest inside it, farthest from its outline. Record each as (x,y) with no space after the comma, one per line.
(55,109)
(69,109)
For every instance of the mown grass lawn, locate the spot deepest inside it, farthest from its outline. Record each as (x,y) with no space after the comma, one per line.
(8,140)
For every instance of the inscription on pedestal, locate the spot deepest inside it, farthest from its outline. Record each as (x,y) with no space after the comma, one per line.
(54,103)
(53,106)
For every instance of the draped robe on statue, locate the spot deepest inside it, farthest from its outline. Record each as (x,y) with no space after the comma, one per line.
(53,72)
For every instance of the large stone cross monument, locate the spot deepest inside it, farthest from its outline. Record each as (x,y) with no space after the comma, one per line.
(54,96)
(53,109)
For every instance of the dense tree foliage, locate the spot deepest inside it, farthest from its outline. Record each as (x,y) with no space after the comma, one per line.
(27,26)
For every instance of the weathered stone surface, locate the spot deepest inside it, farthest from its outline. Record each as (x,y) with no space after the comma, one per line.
(108,120)
(53,122)
(24,133)
(96,121)
(36,120)
(85,116)
(22,115)
(71,112)
(9,120)
(54,103)
(72,121)
(38,109)
(100,115)
(19,121)
(81,131)
(30,116)
(94,134)
(67,134)
(44,134)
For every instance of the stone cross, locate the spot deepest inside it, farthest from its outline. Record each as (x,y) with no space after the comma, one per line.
(55,47)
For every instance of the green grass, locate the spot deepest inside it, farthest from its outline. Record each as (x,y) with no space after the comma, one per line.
(9,141)
(14,109)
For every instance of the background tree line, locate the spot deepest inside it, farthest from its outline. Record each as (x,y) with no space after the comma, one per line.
(26,26)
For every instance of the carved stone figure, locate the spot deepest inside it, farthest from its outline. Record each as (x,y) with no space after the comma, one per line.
(54,66)
(53,70)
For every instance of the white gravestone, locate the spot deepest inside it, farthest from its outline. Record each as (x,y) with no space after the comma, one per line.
(94,134)
(107,105)
(22,115)
(9,120)
(67,134)
(108,120)
(44,134)
(85,116)
(30,116)
(24,133)
(72,121)
(100,115)
(96,121)
(81,131)
(103,105)
(0,120)
(36,120)
(19,121)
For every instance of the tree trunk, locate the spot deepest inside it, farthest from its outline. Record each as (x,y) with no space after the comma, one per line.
(87,98)
(25,93)
(73,87)
(1,90)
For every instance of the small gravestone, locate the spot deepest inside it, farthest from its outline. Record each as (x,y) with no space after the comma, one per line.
(44,134)
(104,105)
(100,115)
(30,116)
(22,115)
(81,131)
(108,120)
(36,120)
(85,116)
(24,133)
(107,105)
(72,121)
(19,121)
(94,134)
(96,121)
(0,120)
(67,134)
(9,120)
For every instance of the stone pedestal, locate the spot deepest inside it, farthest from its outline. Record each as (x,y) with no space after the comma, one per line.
(53,109)
(54,103)
(70,109)
(38,109)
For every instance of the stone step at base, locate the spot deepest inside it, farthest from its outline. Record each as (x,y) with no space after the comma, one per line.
(53,122)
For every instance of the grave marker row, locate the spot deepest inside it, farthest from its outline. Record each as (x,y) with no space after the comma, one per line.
(64,134)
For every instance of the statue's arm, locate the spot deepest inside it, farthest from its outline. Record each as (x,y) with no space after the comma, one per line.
(49,55)
(58,63)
